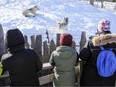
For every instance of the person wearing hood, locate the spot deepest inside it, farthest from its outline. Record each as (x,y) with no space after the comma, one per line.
(90,75)
(63,59)
(22,64)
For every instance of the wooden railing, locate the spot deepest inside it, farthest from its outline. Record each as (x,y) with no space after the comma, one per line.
(45,66)
(43,80)
(47,78)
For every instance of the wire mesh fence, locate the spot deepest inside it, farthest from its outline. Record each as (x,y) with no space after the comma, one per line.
(106,4)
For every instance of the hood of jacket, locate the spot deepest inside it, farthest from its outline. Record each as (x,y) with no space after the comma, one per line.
(65,52)
(104,39)
(14,40)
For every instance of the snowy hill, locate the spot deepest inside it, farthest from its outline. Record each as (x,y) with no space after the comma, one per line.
(82,17)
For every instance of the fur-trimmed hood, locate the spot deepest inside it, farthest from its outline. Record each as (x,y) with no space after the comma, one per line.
(105,39)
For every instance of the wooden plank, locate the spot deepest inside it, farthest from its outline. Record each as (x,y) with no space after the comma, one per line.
(74,45)
(2,46)
(83,40)
(26,41)
(58,40)
(38,46)
(46,79)
(46,66)
(45,52)
(82,43)
(52,46)
(32,41)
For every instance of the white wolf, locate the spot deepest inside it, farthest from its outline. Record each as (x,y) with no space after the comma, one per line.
(31,11)
(63,24)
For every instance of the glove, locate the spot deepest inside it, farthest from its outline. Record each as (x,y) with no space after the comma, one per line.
(1,69)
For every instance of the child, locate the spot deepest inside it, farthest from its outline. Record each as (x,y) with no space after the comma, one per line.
(90,52)
(22,64)
(64,59)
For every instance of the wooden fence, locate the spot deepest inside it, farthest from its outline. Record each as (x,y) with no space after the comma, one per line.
(44,50)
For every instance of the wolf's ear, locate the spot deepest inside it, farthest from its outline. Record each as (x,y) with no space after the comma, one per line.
(66,19)
(35,6)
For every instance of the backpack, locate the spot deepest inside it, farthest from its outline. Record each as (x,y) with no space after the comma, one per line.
(106,62)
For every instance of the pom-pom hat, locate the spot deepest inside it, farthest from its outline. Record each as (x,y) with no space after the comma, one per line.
(103,25)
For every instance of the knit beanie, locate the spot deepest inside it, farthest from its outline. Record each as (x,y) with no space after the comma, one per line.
(66,39)
(103,26)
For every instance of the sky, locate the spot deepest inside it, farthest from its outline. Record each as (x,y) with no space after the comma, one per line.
(82,17)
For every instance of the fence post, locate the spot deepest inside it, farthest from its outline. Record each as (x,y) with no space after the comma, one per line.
(2,46)
(52,46)
(58,40)
(32,41)
(74,45)
(45,52)
(83,39)
(38,46)
(26,41)
(82,43)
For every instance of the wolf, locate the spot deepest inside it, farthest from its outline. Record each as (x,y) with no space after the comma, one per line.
(64,23)
(31,11)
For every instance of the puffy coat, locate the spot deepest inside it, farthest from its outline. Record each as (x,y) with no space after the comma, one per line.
(89,53)
(64,59)
(22,64)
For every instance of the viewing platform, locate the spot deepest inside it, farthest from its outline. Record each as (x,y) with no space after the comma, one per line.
(45,80)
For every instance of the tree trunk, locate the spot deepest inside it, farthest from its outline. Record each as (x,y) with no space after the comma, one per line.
(92,2)
(102,5)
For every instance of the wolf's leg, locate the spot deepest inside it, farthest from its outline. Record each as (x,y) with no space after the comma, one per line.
(30,15)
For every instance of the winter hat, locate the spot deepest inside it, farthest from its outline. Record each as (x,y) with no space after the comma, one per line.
(66,39)
(103,25)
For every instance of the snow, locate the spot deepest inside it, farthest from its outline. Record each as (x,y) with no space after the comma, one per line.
(82,17)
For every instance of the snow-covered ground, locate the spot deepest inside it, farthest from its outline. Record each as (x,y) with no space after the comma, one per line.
(82,17)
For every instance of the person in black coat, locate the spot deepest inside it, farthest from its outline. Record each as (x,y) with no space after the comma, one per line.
(90,52)
(22,64)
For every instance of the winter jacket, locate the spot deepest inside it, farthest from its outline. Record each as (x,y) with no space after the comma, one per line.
(64,59)
(22,64)
(89,54)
